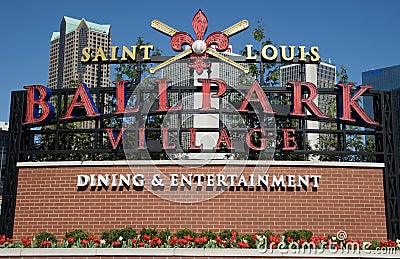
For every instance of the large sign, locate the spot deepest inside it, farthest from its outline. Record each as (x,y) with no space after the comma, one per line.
(200,47)
(197,106)
(171,108)
(349,109)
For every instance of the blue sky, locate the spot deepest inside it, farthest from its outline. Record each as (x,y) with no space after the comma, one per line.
(354,33)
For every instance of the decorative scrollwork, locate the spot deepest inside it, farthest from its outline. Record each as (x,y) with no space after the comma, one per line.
(219,39)
(179,39)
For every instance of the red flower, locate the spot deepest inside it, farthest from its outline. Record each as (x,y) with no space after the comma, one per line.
(388,243)
(156,241)
(173,241)
(26,241)
(219,240)
(314,240)
(182,241)
(200,240)
(274,239)
(141,244)
(255,236)
(84,242)
(302,241)
(243,245)
(116,244)
(391,243)
(146,237)
(289,239)
(96,241)
(4,239)
(331,244)
(203,239)
(234,234)
(45,243)
(91,237)
(188,238)
(70,240)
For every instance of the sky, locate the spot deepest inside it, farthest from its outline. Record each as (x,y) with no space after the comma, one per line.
(357,34)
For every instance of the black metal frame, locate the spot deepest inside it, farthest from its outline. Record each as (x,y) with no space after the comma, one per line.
(11,176)
(21,141)
(391,176)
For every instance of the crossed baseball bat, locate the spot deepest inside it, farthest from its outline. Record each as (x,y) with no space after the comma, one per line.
(168,30)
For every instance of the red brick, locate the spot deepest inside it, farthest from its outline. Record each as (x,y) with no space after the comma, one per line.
(350,199)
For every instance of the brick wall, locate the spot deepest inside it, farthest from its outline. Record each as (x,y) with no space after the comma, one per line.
(350,199)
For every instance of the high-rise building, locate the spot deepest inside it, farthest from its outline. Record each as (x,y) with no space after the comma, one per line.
(66,46)
(323,75)
(182,75)
(387,78)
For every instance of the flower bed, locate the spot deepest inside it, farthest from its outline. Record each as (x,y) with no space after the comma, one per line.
(185,238)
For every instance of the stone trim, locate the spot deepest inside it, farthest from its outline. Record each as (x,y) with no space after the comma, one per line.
(201,162)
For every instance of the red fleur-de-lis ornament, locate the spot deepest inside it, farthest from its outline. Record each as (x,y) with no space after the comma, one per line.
(218,40)
(200,49)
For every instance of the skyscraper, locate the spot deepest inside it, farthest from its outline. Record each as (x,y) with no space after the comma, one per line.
(182,75)
(323,75)
(66,46)
(387,78)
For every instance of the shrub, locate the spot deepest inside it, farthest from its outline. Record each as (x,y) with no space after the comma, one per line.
(164,235)
(110,235)
(128,233)
(247,238)
(77,234)
(114,234)
(210,235)
(227,234)
(297,234)
(375,244)
(148,231)
(45,236)
(265,233)
(184,232)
